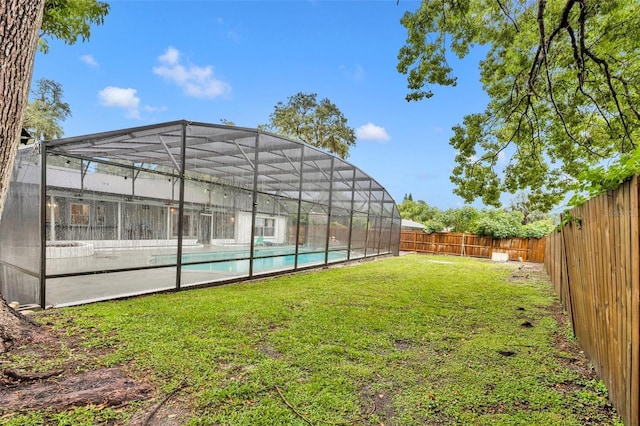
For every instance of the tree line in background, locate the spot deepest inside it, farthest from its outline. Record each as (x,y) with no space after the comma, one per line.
(518,220)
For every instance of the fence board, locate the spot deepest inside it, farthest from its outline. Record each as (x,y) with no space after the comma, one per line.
(470,245)
(594,264)
(634,353)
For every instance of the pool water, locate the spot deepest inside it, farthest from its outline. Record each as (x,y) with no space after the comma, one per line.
(238,263)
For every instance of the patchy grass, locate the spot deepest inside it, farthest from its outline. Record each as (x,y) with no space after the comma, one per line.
(399,341)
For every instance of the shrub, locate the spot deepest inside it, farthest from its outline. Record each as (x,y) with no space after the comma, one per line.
(538,229)
(500,224)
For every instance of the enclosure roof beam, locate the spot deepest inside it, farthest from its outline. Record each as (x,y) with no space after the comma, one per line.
(219,152)
(173,160)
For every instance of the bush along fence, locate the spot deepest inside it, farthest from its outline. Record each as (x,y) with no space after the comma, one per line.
(457,244)
(594,263)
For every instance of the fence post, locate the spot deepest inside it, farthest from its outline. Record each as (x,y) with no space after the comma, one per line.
(491,249)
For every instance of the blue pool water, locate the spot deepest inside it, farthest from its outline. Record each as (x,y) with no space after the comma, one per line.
(237,263)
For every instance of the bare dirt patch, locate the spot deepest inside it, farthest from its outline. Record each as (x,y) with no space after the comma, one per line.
(378,403)
(54,371)
(528,270)
(574,357)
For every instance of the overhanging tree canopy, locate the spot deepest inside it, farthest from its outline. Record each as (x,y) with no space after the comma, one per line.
(563,80)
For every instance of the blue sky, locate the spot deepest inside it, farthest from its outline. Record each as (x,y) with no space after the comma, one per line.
(160,60)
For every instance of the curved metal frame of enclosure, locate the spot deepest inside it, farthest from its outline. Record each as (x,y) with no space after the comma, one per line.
(185,204)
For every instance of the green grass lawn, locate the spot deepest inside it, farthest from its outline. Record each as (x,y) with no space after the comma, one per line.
(411,340)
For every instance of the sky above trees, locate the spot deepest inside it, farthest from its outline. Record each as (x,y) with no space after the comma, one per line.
(156,61)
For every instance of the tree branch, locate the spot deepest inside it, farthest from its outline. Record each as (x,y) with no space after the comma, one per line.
(506,13)
(604,65)
(627,94)
(164,400)
(292,407)
(544,43)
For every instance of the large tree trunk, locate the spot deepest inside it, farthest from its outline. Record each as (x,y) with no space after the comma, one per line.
(15,329)
(20,22)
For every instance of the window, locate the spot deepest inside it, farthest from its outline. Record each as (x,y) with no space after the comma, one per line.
(223,225)
(265,227)
(100,215)
(188,224)
(80,214)
(174,222)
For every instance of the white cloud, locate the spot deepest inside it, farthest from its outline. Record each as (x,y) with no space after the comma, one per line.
(150,108)
(119,97)
(372,132)
(196,81)
(89,60)
(171,56)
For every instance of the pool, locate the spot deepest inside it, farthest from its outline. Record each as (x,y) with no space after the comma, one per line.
(237,262)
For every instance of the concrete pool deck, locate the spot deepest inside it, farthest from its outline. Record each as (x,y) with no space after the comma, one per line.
(97,285)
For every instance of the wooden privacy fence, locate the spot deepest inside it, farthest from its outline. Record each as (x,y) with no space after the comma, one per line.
(594,263)
(527,249)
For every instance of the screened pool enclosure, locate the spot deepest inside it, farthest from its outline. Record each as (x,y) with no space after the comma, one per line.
(180,205)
